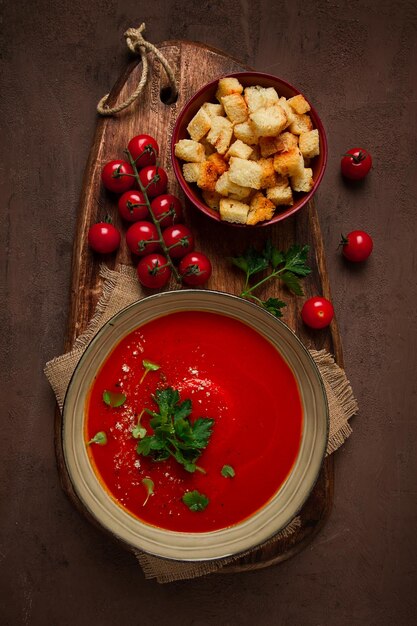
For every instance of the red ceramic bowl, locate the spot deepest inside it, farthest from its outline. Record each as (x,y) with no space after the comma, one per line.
(207,94)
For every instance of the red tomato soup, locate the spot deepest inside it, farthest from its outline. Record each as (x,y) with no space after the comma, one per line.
(231,374)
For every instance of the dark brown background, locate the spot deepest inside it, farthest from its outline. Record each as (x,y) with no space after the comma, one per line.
(357,61)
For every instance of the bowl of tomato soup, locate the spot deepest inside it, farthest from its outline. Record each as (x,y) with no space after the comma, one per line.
(195,425)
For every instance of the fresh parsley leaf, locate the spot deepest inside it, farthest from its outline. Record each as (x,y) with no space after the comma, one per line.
(195,501)
(139,432)
(99,438)
(274,256)
(251,262)
(296,260)
(113,398)
(149,486)
(274,306)
(202,429)
(292,282)
(149,367)
(228,471)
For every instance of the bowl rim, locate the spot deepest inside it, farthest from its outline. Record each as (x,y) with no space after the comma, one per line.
(170,555)
(211,212)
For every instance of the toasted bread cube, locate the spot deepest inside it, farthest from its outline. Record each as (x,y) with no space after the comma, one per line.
(269,175)
(303,181)
(226,187)
(290,163)
(256,154)
(189,150)
(289,112)
(219,162)
(199,125)
(208,176)
(239,149)
(191,172)
(212,199)
(212,109)
(245,173)
(281,194)
(301,124)
(246,132)
(310,144)
(235,107)
(257,97)
(260,209)
(233,211)
(220,133)
(269,121)
(281,143)
(299,104)
(226,86)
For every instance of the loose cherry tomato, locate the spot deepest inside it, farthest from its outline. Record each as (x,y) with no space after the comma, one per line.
(356,163)
(117,176)
(153,271)
(155,180)
(357,246)
(179,240)
(132,206)
(317,312)
(168,206)
(103,237)
(144,150)
(139,234)
(195,268)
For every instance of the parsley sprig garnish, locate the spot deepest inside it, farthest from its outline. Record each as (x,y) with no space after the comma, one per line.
(173,432)
(288,266)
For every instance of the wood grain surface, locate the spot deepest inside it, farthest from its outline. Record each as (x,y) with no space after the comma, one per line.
(357,62)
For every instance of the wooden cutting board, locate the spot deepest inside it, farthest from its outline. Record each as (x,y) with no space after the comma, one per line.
(194,65)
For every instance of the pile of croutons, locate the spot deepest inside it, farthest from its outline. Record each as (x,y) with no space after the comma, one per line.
(249,152)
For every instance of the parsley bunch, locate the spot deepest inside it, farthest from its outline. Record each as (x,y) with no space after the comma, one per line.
(288,266)
(173,432)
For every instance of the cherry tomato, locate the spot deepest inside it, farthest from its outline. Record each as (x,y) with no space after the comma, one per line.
(317,312)
(158,176)
(356,163)
(195,268)
(357,246)
(179,240)
(139,234)
(117,176)
(144,150)
(132,206)
(153,271)
(169,206)
(103,237)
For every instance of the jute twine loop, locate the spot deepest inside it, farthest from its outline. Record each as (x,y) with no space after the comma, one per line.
(138,45)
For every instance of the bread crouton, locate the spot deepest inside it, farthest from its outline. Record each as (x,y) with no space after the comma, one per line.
(256,154)
(239,149)
(304,181)
(219,162)
(212,199)
(220,133)
(233,211)
(281,143)
(289,112)
(245,173)
(310,144)
(257,97)
(199,125)
(246,132)
(290,163)
(189,150)
(208,176)
(301,124)
(269,175)
(226,86)
(225,187)
(191,172)
(281,194)
(235,107)
(269,121)
(212,109)
(299,104)
(260,209)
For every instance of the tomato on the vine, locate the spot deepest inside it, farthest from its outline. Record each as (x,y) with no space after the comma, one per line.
(357,246)
(142,238)
(132,206)
(167,209)
(144,149)
(179,240)
(153,271)
(356,163)
(154,179)
(117,176)
(103,237)
(195,268)
(317,312)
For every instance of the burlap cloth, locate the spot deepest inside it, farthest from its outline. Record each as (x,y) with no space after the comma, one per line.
(121,288)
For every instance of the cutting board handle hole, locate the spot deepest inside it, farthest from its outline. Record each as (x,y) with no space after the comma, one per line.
(167,96)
